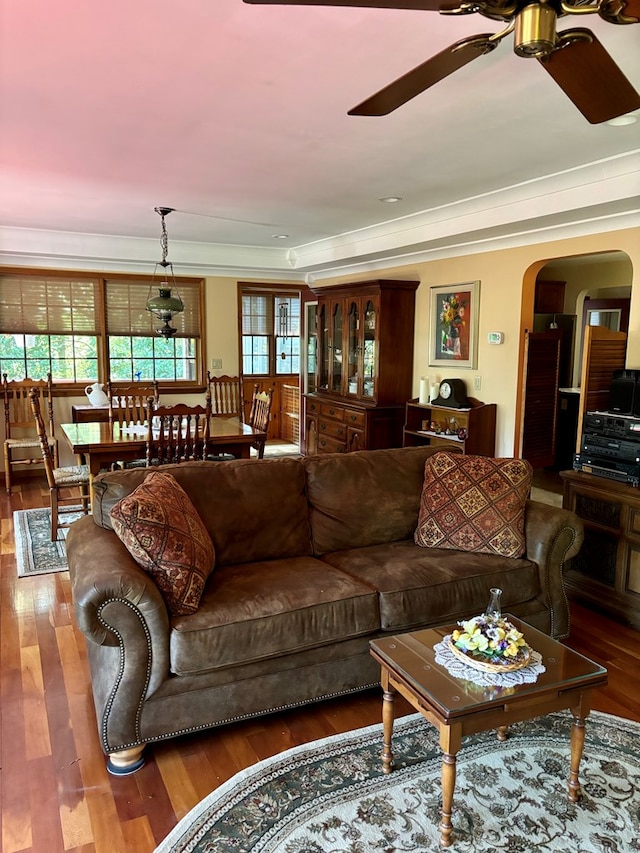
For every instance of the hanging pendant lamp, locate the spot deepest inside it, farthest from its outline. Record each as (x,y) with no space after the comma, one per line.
(164,306)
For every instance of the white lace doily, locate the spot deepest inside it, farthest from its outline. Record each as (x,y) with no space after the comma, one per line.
(454,666)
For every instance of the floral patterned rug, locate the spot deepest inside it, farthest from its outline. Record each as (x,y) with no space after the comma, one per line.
(331,796)
(36,554)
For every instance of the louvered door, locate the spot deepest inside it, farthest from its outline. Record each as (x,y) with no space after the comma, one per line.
(603,352)
(540,404)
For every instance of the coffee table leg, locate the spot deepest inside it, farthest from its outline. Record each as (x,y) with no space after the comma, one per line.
(388,712)
(448,784)
(503,733)
(577,744)
(450,740)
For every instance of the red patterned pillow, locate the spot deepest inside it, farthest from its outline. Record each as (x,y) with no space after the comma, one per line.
(164,534)
(474,503)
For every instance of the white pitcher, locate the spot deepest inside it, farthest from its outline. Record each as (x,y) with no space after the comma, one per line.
(95,395)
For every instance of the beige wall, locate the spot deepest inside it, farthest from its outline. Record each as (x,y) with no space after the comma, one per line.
(501,275)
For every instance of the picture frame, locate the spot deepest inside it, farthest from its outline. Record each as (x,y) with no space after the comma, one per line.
(454,311)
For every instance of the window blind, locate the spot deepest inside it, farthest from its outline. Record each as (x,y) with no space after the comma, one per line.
(257,314)
(54,306)
(127,314)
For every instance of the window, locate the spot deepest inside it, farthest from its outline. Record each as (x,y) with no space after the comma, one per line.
(270,333)
(134,354)
(71,325)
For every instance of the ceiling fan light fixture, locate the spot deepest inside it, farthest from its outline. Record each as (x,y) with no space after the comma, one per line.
(622,121)
(535,31)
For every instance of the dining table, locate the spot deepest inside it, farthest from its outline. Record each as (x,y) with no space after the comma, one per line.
(102,444)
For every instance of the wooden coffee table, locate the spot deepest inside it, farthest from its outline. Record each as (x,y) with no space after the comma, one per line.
(409,667)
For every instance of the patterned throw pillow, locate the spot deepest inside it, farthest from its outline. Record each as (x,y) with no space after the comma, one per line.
(474,503)
(164,534)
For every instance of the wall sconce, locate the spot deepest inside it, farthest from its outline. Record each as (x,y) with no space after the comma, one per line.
(164,306)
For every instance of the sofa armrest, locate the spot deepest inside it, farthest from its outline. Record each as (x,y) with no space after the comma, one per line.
(122,615)
(553,535)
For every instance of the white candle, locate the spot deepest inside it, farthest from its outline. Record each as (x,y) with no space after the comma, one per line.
(423,399)
(433,391)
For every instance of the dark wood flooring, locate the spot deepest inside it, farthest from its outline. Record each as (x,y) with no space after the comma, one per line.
(56,793)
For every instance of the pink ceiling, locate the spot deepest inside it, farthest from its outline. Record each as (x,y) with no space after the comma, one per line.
(238,113)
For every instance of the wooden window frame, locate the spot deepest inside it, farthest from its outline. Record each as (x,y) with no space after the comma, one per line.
(102,280)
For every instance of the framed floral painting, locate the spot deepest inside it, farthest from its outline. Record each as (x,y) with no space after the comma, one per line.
(453,325)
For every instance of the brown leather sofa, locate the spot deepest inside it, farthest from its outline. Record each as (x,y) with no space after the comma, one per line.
(314,558)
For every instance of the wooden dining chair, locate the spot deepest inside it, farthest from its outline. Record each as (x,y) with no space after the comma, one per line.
(176,433)
(19,434)
(128,408)
(224,396)
(128,403)
(60,479)
(260,415)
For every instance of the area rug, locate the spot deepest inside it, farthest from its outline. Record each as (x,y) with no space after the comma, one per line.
(330,796)
(36,554)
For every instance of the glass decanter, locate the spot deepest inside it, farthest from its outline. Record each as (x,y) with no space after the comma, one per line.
(493,611)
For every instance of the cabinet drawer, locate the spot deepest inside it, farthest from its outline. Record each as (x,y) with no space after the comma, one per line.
(331,411)
(354,418)
(328,444)
(313,407)
(329,427)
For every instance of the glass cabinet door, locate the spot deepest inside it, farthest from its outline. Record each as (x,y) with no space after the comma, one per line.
(353,348)
(369,354)
(336,347)
(310,353)
(323,346)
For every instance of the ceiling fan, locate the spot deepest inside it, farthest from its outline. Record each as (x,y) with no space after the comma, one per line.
(575,58)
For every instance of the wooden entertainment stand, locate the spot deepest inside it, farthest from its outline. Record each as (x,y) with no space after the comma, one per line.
(606,572)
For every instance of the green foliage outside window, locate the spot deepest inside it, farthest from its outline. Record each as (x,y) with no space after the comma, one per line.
(69,358)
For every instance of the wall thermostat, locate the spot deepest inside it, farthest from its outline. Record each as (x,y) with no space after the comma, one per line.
(495,338)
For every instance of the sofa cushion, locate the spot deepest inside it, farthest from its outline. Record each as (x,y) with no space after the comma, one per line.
(364,498)
(262,610)
(160,528)
(474,503)
(253,509)
(431,585)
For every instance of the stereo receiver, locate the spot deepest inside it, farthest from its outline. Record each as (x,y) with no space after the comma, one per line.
(610,448)
(621,472)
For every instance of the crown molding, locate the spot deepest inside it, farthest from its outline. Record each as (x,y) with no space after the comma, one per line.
(594,198)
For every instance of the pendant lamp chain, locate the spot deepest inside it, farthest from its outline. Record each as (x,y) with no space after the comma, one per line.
(164,306)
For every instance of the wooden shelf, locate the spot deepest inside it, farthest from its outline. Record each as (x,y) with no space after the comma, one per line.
(606,572)
(479,421)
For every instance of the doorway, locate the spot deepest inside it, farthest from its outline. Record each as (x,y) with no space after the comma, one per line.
(597,289)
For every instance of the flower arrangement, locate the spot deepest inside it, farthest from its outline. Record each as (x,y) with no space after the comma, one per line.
(452,315)
(491,639)
(451,321)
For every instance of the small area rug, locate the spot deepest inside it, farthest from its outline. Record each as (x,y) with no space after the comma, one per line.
(330,796)
(36,554)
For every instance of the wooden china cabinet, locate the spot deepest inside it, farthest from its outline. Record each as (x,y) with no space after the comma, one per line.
(363,369)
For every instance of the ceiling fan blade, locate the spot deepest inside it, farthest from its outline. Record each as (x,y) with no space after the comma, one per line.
(432,71)
(589,77)
(422,5)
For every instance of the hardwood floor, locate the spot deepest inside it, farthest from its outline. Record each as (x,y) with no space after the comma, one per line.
(56,793)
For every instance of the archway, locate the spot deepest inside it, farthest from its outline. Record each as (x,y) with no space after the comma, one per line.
(591,276)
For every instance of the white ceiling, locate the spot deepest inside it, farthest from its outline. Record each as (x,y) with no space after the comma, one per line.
(236,115)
